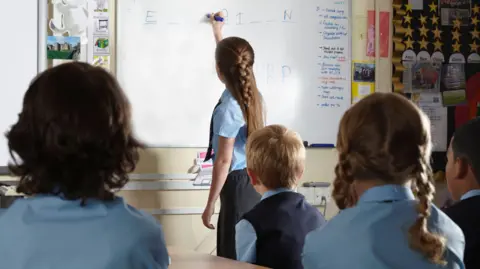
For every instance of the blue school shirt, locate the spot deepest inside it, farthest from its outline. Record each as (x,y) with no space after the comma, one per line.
(48,232)
(246,237)
(374,234)
(228,122)
(470,194)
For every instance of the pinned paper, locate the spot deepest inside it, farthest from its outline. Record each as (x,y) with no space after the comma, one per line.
(73,19)
(371,34)
(384,33)
(102,61)
(101,45)
(101,6)
(63,47)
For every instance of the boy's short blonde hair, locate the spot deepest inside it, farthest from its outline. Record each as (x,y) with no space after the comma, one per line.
(276,155)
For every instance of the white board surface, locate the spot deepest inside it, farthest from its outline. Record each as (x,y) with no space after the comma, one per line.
(19,50)
(165,62)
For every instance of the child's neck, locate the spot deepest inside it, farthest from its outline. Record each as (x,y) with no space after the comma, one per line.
(264,190)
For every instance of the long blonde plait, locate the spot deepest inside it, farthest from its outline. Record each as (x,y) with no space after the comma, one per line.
(430,244)
(235,59)
(249,92)
(342,192)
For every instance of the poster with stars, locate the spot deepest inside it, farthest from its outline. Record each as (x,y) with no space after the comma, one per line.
(443,31)
(424,38)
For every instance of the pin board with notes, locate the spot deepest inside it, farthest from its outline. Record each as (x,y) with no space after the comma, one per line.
(165,63)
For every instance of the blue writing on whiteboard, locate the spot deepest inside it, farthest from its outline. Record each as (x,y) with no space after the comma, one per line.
(150,18)
(225,15)
(286,71)
(239,18)
(287,14)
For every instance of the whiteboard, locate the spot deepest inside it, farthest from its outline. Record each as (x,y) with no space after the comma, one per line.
(19,49)
(165,63)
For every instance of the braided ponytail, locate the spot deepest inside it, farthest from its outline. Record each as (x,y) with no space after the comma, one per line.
(343,192)
(431,245)
(235,59)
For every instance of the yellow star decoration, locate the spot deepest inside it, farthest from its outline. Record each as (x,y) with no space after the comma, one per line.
(408,43)
(456,47)
(437,45)
(437,33)
(408,7)
(423,44)
(456,35)
(476,9)
(433,7)
(408,31)
(474,20)
(457,23)
(475,34)
(434,19)
(423,31)
(474,46)
(423,19)
(407,19)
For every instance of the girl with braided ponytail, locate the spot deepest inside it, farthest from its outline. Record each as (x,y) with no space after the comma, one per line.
(238,113)
(383,185)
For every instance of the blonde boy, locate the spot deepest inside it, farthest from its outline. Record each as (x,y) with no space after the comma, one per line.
(272,234)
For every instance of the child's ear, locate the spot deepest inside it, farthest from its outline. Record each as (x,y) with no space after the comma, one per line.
(253,177)
(461,168)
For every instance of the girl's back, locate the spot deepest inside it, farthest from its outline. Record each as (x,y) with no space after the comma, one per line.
(99,235)
(384,186)
(374,234)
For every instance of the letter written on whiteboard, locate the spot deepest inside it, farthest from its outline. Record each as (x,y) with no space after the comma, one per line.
(151,17)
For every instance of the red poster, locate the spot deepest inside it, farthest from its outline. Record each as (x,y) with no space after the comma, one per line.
(384,33)
(371,34)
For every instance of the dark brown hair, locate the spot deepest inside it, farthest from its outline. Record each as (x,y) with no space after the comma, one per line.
(386,137)
(235,59)
(73,136)
(466,145)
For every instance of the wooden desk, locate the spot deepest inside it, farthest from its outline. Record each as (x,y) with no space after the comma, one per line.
(188,259)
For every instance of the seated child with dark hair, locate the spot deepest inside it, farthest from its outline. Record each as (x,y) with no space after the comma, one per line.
(272,234)
(72,147)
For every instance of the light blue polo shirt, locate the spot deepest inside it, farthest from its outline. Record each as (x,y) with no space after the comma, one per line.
(228,122)
(48,232)
(374,234)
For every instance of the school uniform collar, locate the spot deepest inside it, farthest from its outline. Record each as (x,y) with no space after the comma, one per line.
(271,193)
(225,95)
(470,194)
(387,193)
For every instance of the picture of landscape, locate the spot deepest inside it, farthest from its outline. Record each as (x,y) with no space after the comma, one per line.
(63,47)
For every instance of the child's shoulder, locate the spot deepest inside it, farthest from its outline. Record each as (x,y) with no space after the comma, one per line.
(440,223)
(134,217)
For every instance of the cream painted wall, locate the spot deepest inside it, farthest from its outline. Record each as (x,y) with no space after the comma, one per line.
(187,230)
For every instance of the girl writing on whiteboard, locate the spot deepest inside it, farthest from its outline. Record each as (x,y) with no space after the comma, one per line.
(238,113)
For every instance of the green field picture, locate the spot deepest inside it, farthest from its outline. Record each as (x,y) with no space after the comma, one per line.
(64,55)
(63,47)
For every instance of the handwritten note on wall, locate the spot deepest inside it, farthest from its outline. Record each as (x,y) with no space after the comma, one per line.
(333,54)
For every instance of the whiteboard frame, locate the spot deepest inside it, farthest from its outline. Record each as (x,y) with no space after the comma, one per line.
(113,18)
(42,13)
